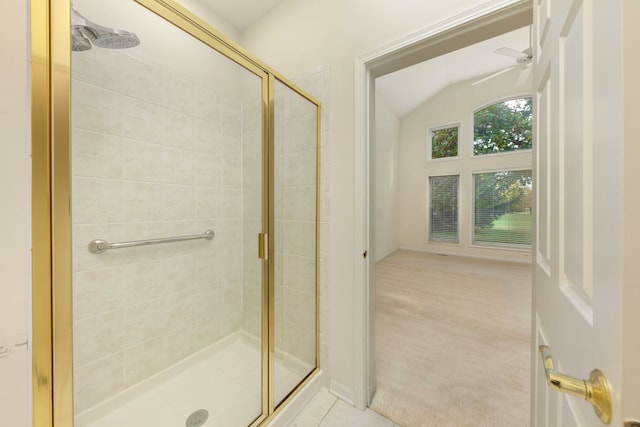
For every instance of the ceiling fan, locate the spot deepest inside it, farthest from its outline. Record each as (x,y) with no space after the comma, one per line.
(523,61)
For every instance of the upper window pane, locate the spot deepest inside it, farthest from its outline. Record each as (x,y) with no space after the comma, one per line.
(503,127)
(444,142)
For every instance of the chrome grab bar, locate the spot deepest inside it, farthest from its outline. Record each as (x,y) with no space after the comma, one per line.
(99,246)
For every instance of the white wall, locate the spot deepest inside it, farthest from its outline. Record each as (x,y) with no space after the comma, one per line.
(201,10)
(385,172)
(299,36)
(15,274)
(454,104)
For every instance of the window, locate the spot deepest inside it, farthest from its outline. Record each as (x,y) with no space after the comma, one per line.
(444,142)
(503,127)
(502,208)
(443,217)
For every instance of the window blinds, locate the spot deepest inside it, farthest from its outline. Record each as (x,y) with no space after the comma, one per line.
(502,208)
(443,215)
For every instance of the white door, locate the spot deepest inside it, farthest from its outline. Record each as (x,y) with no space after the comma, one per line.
(581,250)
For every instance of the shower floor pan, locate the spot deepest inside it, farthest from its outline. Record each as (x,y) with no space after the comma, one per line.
(223,379)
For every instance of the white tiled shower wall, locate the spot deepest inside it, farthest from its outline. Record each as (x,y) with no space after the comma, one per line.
(154,155)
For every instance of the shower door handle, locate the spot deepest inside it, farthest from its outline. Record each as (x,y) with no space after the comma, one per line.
(263,246)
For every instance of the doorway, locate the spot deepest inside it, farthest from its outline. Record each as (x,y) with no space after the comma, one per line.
(453,177)
(478,25)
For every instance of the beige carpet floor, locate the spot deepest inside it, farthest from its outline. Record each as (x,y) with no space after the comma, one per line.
(452,341)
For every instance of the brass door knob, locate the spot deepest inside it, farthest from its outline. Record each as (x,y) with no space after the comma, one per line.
(595,390)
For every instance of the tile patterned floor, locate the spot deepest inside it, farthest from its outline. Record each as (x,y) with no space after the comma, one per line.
(326,410)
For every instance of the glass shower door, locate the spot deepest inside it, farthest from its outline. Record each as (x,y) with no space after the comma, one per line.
(167,144)
(296,237)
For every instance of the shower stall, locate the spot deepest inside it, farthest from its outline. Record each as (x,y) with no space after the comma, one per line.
(185,225)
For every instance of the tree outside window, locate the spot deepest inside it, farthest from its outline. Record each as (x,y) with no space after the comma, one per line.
(502,208)
(503,127)
(444,142)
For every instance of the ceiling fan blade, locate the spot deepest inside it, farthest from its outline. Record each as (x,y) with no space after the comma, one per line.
(496,74)
(507,51)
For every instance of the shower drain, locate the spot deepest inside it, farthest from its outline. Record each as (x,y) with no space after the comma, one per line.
(197,418)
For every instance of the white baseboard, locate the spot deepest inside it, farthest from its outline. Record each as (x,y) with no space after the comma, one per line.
(526,258)
(342,392)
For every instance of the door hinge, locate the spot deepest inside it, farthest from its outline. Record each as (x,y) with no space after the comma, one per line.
(263,246)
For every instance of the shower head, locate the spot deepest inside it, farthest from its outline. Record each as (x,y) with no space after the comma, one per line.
(79,43)
(85,32)
(109,38)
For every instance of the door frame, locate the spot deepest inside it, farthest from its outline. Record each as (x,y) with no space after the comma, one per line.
(481,23)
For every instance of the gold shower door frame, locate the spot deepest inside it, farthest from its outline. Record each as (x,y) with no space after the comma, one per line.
(52,342)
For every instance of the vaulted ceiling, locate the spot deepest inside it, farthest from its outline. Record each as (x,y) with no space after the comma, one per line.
(406,89)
